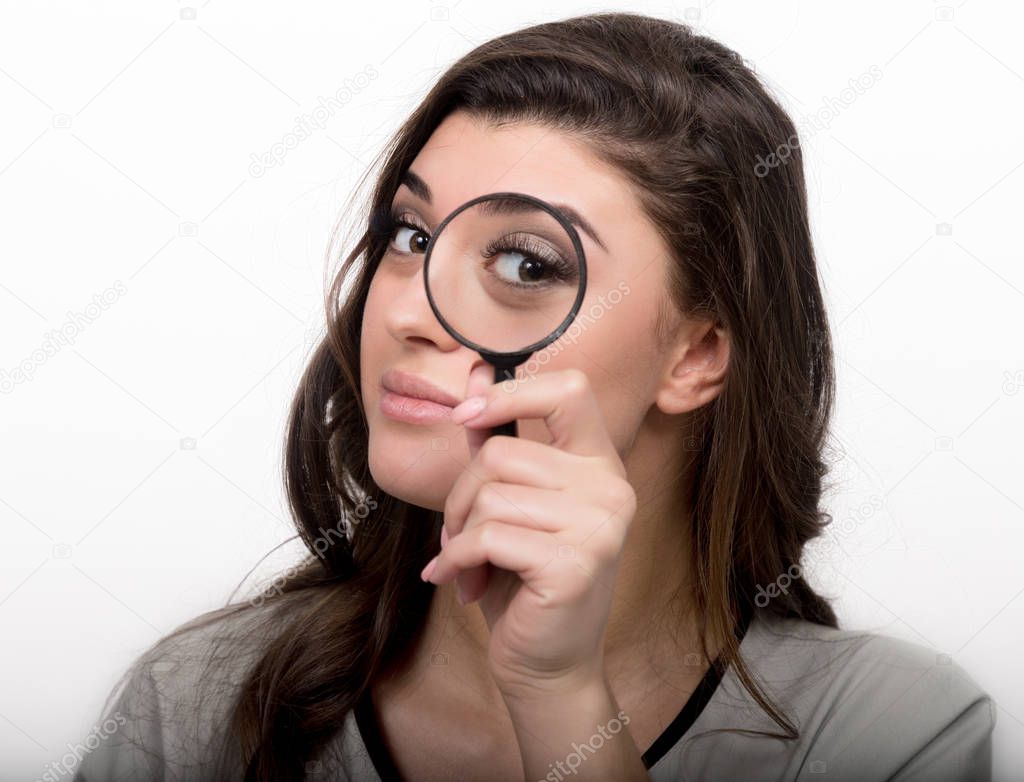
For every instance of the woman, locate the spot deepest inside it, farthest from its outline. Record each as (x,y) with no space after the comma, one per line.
(617,593)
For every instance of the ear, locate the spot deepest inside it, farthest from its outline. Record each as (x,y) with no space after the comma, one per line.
(694,373)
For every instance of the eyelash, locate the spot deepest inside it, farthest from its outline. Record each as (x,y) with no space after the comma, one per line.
(387,221)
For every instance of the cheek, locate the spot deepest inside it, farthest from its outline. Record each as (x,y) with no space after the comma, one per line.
(373,329)
(371,308)
(376,347)
(613,344)
(368,337)
(414,464)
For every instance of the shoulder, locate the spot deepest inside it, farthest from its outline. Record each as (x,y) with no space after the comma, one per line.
(873,701)
(167,714)
(846,661)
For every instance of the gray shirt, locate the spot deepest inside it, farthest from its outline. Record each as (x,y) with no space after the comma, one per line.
(867,707)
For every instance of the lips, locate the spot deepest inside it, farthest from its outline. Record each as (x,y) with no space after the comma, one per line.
(414,399)
(417,387)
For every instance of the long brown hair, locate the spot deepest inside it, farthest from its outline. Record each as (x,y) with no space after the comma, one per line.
(689,124)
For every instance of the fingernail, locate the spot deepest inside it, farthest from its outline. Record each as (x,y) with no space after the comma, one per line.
(444,536)
(425,575)
(460,593)
(468,409)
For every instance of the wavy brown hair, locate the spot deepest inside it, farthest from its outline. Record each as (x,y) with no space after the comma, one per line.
(686,121)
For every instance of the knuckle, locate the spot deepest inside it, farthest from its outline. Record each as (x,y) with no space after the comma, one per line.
(623,497)
(486,535)
(576,383)
(492,453)
(616,495)
(487,499)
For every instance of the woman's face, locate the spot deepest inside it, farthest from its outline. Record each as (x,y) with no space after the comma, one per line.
(416,456)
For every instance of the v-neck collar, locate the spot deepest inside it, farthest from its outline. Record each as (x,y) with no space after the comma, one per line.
(384,765)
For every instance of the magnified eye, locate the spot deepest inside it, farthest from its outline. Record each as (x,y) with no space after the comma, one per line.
(519,267)
(525,263)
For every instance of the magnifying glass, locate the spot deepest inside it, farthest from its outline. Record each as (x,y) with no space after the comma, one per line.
(505,275)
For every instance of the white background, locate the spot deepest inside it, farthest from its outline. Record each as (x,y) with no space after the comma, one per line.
(140,466)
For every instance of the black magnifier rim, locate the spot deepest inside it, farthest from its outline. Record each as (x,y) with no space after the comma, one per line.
(577,246)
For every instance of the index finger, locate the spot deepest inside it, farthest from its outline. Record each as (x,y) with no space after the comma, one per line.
(565,401)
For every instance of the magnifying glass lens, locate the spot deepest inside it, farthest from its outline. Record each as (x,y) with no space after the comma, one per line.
(504,273)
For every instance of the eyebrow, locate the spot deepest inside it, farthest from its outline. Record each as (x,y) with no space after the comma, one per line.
(505,205)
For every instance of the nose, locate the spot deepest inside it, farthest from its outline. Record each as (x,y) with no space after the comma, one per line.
(409,316)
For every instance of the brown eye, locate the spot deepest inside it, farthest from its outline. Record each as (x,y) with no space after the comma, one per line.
(411,239)
(407,237)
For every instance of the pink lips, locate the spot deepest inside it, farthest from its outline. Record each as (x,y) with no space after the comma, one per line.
(414,399)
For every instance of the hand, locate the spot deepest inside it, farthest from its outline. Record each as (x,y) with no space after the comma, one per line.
(537,529)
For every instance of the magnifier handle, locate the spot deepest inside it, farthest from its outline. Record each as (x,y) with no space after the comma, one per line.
(510,428)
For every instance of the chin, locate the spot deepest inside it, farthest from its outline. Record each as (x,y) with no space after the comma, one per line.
(409,469)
